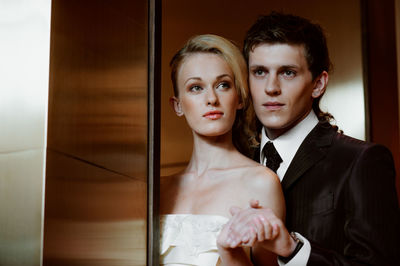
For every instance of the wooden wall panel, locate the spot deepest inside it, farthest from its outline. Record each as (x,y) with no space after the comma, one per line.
(381,76)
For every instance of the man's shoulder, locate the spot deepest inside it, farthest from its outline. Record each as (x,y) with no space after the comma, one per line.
(328,136)
(345,144)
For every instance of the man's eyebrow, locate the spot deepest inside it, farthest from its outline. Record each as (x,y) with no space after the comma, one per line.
(289,66)
(282,66)
(257,66)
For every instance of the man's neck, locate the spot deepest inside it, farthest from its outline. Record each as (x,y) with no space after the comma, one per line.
(273,133)
(288,142)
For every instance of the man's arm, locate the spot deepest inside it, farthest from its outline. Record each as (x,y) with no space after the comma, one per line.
(372,225)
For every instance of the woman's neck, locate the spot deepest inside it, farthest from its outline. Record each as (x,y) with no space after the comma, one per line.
(211,153)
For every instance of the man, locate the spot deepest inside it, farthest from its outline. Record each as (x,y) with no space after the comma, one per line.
(340,192)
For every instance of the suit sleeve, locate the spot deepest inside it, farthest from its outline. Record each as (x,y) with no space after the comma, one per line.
(372,218)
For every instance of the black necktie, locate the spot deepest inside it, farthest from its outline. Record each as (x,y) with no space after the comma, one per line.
(272,156)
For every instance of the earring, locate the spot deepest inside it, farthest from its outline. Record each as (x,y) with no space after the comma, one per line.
(179,111)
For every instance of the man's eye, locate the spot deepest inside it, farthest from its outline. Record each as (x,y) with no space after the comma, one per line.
(195,88)
(289,73)
(258,72)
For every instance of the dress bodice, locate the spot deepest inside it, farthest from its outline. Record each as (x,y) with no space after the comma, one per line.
(190,239)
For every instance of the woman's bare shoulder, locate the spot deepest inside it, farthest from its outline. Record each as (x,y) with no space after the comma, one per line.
(259,174)
(253,173)
(262,184)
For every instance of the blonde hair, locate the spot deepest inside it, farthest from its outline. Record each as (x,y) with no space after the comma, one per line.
(208,43)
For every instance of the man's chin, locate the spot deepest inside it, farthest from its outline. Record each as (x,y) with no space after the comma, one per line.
(276,128)
(275,124)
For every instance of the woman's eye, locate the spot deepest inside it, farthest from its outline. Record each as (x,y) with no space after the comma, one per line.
(195,88)
(224,85)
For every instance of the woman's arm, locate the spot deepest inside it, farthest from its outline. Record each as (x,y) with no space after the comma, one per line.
(261,228)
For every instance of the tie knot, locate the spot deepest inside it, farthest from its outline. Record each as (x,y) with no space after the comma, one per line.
(272,156)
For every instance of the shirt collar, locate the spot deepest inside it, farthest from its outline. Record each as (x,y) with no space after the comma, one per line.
(288,143)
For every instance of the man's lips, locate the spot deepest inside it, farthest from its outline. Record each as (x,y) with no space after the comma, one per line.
(213,115)
(273,105)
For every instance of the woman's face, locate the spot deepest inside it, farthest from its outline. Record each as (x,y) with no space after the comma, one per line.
(207,94)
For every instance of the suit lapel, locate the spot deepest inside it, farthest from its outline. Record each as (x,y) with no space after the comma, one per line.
(309,153)
(256,154)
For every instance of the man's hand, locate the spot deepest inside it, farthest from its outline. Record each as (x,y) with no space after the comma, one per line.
(259,225)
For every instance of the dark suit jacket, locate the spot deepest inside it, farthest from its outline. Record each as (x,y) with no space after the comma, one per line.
(340,194)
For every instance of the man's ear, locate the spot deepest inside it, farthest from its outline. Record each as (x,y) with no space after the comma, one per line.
(176,105)
(320,84)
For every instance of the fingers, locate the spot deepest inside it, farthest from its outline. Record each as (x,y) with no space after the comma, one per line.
(259,222)
(251,225)
(266,229)
(275,231)
(250,238)
(255,230)
(224,239)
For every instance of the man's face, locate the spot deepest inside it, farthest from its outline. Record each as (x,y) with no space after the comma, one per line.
(281,86)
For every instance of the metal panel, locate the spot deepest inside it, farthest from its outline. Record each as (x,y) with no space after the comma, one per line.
(345,94)
(24,66)
(154,132)
(96,176)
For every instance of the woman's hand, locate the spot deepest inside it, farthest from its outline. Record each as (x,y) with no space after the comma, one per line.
(258,225)
(231,254)
(223,239)
(252,225)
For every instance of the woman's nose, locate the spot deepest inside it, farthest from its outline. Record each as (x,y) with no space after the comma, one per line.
(212,98)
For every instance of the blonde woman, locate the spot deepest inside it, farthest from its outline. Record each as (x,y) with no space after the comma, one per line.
(209,77)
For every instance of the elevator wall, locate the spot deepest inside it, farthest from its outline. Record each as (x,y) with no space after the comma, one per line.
(344,97)
(24,66)
(96,174)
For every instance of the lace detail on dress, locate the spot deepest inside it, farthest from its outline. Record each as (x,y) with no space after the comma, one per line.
(188,239)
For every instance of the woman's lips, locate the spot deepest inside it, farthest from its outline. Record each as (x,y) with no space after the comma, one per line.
(213,115)
(273,105)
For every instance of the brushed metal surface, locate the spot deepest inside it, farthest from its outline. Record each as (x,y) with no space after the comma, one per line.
(21,180)
(96,190)
(345,94)
(93,216)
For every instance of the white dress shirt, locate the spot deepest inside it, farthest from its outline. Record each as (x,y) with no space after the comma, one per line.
(287,145)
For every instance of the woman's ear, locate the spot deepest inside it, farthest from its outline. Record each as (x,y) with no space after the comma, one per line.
(176,105)
(320,85)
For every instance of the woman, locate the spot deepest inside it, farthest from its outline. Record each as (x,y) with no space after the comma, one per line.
(209,76)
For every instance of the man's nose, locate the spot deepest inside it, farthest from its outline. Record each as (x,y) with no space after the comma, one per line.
(272,86)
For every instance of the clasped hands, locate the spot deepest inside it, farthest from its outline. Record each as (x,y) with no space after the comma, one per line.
(256,226)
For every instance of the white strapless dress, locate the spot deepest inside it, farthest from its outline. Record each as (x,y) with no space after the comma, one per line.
(189,239)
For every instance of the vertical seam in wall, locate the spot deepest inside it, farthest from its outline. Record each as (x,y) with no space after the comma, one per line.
(46,112)
(397,26)
(365,68)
